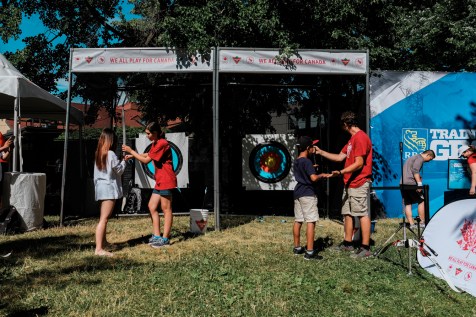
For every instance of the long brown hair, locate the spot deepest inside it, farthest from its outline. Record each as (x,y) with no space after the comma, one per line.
(107,141)
(155,127)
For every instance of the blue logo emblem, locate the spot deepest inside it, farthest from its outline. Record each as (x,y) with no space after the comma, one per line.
(414,141)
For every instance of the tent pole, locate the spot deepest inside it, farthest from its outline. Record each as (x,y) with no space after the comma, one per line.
(124,120)
(83,190)
(216,142)
(15,133)
(367,117)
(66,136)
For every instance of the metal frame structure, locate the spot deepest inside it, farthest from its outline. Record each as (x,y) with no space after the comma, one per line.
(224,60)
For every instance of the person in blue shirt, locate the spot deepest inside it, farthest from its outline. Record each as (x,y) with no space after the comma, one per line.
(305,199)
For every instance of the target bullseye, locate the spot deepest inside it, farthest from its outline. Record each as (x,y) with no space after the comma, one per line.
(270,162)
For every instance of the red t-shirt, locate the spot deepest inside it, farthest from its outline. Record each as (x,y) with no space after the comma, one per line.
(2,143)
(358,145)
(161,154)
(472,159)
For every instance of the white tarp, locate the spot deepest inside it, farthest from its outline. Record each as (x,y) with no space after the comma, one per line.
(34,102)
(315,62)
(90,60)
(451,233)
(26,191)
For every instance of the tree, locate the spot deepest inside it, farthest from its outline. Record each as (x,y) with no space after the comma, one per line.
(400,35)
(70,23)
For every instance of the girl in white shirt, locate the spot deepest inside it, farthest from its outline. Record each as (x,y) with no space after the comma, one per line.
(107,184)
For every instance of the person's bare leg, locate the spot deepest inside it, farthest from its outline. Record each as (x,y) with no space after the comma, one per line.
(365,229)
(409,214)
(421,211)
(154,213)
(311,226)
(297,234)
(166,205)
(348,227)
(107,207)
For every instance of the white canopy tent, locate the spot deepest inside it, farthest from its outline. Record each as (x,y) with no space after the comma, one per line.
(225,60)
(21,98)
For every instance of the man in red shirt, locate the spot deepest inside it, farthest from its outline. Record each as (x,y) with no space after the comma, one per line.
(357,176)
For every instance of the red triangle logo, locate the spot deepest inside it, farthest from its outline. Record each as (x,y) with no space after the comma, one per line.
(89,59)
(237,59)
(201,224)
(458,271)
(345,61)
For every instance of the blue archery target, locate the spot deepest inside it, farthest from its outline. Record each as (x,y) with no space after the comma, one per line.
(270,162)
(177,161)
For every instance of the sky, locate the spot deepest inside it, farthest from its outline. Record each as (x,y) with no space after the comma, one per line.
(32,26)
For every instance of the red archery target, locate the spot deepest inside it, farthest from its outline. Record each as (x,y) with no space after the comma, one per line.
(270,162)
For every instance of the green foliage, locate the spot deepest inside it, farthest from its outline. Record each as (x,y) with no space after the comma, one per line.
(94,133)
(434,35)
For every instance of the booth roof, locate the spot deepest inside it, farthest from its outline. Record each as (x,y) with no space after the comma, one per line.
(34,102)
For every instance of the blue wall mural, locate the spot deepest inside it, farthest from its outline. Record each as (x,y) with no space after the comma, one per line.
(423,110)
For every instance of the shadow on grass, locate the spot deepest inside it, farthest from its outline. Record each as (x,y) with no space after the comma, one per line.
(61,254)
(402,264)
(40,311)
(232,221)
(322,243)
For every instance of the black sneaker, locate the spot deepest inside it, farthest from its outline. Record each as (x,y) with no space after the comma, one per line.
(312,256)
(298,250)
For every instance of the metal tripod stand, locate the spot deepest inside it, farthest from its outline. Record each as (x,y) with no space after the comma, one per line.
(405,242)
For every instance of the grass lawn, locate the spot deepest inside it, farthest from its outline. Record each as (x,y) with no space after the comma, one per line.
(246,269)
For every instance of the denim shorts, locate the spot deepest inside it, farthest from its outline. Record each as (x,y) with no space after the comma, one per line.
(162,192)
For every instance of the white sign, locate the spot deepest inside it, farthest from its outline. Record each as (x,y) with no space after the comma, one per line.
(451,233)
(266,61)
(93,60)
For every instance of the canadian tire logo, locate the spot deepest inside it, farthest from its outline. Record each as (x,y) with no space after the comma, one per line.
(468,237)
(236,59)
(345,61)
(201,224)
(89,59)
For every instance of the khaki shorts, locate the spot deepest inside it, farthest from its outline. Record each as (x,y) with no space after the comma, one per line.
(305,209)
(355,201)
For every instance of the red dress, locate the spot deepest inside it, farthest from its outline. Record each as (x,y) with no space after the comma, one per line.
(161,155)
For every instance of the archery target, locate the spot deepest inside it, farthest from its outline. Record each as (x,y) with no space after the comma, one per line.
(267,161)
(451,233)
(144,176)
(270,162)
